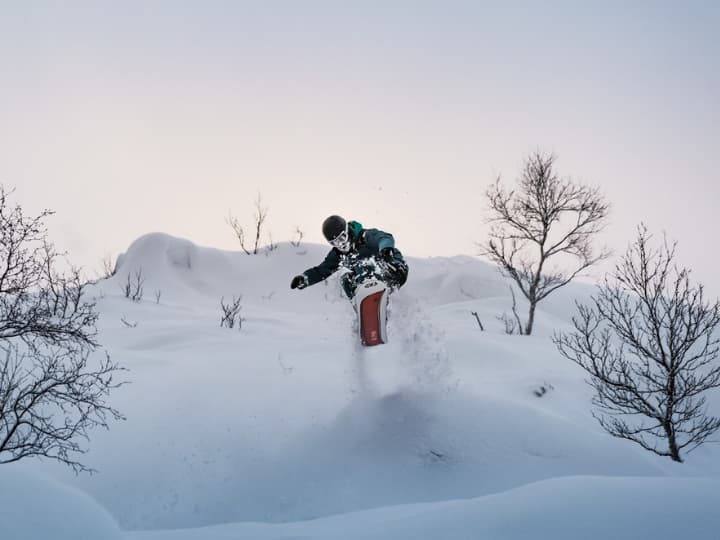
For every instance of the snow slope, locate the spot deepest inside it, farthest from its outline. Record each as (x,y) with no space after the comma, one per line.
(561,509)
(287,429)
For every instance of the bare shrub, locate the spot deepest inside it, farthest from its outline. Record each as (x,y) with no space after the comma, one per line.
(511,325)
(133,286)
(298,237)
(231,313)
(107,266)
(261,213)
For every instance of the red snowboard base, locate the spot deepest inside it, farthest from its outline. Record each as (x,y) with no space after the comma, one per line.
(371,301)
(370,321)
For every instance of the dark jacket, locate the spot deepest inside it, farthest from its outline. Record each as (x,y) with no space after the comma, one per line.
(365,243)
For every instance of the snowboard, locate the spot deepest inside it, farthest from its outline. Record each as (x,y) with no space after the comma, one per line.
(371,299)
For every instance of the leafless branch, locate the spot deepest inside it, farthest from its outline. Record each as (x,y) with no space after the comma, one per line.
(298,237)
(512,325)
(477,318)
(108,267)
(271,246)
(261,213)
(239,231)
(128,323)
(133,286)
(50,399)
(231,313)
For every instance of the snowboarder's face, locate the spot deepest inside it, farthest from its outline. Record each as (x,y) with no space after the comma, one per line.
(341,241)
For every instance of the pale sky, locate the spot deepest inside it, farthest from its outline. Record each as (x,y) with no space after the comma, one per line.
(141,116)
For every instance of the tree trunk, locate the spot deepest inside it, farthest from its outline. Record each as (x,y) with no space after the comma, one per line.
(672,442)
(531,318)
(668,423)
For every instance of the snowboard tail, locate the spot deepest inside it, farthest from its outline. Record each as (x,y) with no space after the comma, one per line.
(371,299)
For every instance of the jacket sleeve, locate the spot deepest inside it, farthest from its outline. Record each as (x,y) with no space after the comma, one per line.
(378,240)
(323,270)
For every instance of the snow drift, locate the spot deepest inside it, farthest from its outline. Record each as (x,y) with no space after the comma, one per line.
(33,507)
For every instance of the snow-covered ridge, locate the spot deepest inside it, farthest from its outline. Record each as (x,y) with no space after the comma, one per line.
(173,263)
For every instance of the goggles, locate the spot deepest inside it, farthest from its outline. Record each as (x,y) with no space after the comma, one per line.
(342,241)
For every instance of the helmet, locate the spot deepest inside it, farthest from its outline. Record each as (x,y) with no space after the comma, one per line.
(333,227)
(336,232)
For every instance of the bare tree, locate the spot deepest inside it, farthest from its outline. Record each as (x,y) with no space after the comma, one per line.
(299,236)
(108,267)
(261,213)
(239,231)
(544,218)
(649,342)
(35,300)
(231,313)
(271,246)
(52,390)
(133,288)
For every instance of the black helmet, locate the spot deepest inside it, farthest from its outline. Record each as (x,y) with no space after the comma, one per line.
(333,227)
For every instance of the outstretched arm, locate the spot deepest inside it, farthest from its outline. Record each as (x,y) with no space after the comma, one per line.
(322,271)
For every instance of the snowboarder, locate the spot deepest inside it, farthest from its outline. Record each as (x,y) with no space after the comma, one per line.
(352,245)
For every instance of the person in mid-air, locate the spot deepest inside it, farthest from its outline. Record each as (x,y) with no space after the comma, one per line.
(351,243)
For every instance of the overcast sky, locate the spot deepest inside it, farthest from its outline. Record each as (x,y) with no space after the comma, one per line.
(140,116)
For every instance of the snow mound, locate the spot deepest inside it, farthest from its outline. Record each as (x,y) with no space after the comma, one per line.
(33,508)
(588,507)
(184,271)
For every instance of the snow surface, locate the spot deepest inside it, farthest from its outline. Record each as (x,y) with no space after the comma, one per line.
(33,507)
(288,429)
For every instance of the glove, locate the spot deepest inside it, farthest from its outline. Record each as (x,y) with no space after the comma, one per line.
(397,266)
(402,274)
(299,282)
(387,254)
